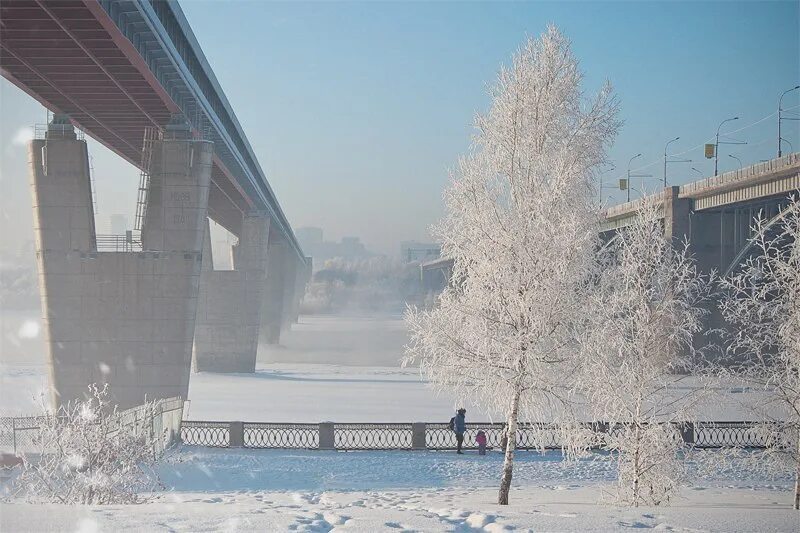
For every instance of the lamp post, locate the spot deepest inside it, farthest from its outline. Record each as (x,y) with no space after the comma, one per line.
(716,144)
(780,100)
(736,158)
(628,183)
(699,172)
(609,169)
(666,160)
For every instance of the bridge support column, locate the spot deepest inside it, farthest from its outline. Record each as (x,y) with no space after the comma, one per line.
(274,297)
(229,311)
(302,279)
(676,215)
(125,319)
(291,302)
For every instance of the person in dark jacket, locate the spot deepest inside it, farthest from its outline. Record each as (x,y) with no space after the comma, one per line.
(460,426)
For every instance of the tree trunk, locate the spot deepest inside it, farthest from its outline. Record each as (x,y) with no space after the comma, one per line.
(508,462)
(797,476)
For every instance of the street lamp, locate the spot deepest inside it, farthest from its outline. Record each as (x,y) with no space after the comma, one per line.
(699,172)
(779,116)
(628,183)
(736,158)
(673,161)
(716,144)
(609,169)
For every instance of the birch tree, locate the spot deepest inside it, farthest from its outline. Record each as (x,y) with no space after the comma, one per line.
(637,345)
(761,301)
(521,229)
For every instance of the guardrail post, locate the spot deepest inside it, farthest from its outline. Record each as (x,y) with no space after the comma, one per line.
(236,439)
(418,436)
(326,440)
(687,432)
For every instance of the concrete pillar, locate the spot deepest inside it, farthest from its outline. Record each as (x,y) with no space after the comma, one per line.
(119,318)
(229,310)
(327,439)
(301,282)
(705,240)
(272,310)
(236,435)
(677,212)
(418,441)
(687,432)
(175,219)
(290,290)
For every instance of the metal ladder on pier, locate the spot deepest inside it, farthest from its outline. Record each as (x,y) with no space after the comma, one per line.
(150,135)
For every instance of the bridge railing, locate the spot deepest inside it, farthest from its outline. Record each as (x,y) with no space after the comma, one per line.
(734,179)
(740,177)
(129,242)
(438,436)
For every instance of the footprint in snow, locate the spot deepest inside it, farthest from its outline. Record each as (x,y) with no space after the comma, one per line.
(335,519)
(479,520)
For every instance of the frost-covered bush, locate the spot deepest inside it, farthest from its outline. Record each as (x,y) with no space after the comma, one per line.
(650,463)
(87,455)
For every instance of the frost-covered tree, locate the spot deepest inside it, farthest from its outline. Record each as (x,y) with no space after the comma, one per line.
(643,314)
(87,454)
(761,301)
(521,229)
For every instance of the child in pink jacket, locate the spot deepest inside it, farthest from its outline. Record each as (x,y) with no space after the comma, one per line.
(480,438)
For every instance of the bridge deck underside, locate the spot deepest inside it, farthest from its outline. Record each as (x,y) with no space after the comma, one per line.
(60,54)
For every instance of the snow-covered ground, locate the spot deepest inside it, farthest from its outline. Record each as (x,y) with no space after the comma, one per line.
(347,369)
(271,490)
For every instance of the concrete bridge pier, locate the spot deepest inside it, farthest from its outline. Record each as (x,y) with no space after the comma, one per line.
(676,215)
(274,298)
(120,318)
(291,288)
(229,311)
(303,277)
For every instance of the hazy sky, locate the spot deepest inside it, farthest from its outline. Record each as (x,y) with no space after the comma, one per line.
(357,110)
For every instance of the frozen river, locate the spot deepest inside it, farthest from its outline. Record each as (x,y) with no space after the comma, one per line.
(341,368)
(328,368)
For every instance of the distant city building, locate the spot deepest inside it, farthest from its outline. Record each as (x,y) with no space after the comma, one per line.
(411,251)
(119,224)
(313,245)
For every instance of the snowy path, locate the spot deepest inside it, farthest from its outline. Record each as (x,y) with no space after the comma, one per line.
(274,490)
(448,509)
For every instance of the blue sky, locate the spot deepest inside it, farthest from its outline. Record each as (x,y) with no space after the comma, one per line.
(357,110)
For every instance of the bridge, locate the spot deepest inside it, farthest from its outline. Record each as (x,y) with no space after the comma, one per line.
(715,214)
(131,74)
